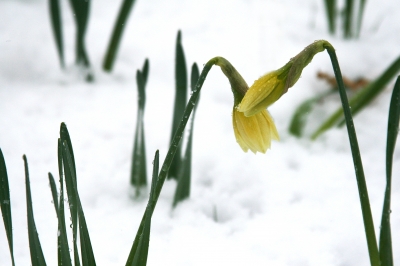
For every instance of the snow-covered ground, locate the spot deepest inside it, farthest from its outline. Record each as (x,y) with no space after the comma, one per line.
(296,205)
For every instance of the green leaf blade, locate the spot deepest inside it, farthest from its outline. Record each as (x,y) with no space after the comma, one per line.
(53,189)
(64,258)
(194,77)
(88,258)
(87,254)
(385,240)
(68,163)
(348,19)
(37,257)
(330,7)
(109,58)
(86,246)
(140,247)
(56,23)
(138,168)
(361,9)
(5,204)
(180,101)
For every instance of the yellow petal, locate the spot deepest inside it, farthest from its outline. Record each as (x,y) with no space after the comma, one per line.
(254,132)
(264,92)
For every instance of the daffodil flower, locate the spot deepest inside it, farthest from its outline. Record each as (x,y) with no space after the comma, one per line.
(252,132)
(253,126)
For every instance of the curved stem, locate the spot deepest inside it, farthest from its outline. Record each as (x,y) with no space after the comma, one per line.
(362,186)
(181,127)
(170,155)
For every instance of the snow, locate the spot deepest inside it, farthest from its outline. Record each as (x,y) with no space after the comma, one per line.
(296,205)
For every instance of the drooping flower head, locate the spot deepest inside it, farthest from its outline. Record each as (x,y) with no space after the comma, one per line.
(253,126)
(253,132)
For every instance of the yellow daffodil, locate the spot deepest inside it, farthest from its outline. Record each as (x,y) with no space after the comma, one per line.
(253,126)
(254,132)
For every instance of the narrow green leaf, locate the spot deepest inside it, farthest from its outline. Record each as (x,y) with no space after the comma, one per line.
(86,246)
(53,188)
(140,258)
(70,175)
(145,71)
(138,168)
(56,24)
(361,183)
(64,258)
(141,82)
(361,9)
(330,6)
(62,241)
(302,112)
(64,135)
(361,99)
(348,19)
(154,178)
(5,204)
(142,251)
(194,77)
(182,191)
(180,101)
(37,257)
(143,161)
(136,161)
(80,9)
(116,35)
(81,15)
(385,240)
(140,248)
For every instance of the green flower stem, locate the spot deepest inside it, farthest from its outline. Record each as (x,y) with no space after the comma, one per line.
(362,186)
(173,148)
(179,132)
